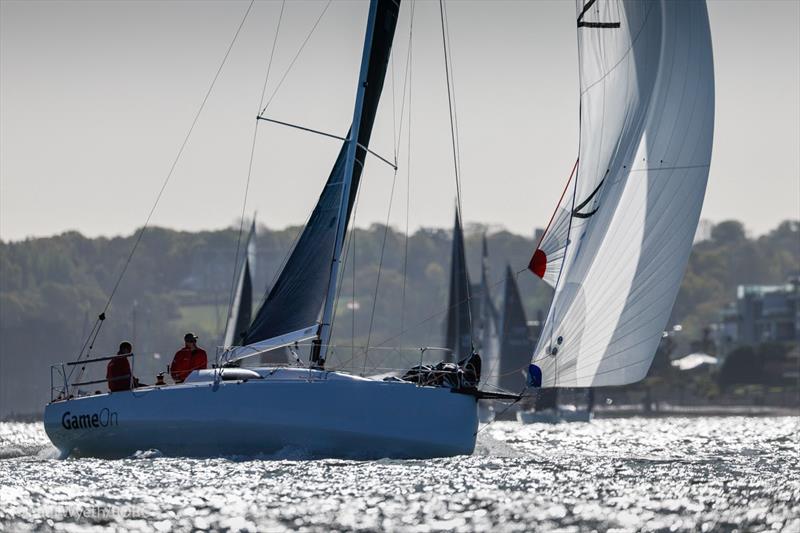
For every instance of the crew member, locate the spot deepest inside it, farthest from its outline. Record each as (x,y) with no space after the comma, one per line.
(118,371)
(188,359)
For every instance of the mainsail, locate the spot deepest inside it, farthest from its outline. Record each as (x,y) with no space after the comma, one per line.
(291,310)
(620,239)
(241,310)
(515,342)
(458,332)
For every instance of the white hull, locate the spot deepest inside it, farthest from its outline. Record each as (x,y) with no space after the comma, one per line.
(553,416)
(322,414)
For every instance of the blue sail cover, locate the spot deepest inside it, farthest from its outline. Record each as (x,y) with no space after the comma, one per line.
(458,332)
(295,301)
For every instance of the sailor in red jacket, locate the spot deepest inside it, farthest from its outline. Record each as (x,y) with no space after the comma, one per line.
(187,359)
(118,371)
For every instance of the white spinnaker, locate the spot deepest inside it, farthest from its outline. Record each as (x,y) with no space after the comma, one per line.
(647,116)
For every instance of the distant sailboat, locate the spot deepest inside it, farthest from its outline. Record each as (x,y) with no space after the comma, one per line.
(241,306)
(488,327)
(458,329)
(515,341)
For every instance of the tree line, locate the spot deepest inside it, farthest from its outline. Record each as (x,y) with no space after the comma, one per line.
(53,288)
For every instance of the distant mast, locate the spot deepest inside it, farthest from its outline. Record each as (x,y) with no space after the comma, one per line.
(617,246)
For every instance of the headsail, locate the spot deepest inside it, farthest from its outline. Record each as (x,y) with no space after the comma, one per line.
(292,308)
(458,332)
(515,342)
(624,229)
(241,310)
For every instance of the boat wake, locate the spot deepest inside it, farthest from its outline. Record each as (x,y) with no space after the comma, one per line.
(42,452)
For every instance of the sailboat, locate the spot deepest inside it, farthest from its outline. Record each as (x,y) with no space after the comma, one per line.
(241,306)
(488,327)
(229,410)
(459,341)
(618,242)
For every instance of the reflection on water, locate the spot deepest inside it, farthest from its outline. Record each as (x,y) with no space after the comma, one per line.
(630,474)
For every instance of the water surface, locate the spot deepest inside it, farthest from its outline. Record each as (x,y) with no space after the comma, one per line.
(637,474)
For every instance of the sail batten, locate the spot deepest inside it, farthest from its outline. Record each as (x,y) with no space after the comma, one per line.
(616,259)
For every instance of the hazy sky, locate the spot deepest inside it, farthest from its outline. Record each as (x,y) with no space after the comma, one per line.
(96,97)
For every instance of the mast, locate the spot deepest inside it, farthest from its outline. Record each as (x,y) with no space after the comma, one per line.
(318,356)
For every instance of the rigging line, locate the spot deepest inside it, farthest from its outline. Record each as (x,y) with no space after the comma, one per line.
(449,52)
(553,216)
(174,163)
(453,129)
(326,134)
(408,168)
(406,81)
(351,237)
(299,51)
(380,269)
(250,169)
(440,312)
(450,104)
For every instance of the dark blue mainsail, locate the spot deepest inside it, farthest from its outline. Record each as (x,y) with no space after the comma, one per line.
(458,331)
(295,301)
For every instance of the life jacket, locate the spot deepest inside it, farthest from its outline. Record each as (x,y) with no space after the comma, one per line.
(118,374)
(185,361)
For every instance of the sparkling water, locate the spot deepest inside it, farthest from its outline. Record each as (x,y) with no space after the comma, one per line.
(636,474)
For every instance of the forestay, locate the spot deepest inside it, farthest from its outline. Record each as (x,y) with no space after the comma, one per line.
(621,236)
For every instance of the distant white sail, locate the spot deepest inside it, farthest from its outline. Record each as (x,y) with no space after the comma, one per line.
(241,310)
(618,244)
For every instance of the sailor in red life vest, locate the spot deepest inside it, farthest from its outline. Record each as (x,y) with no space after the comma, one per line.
(187,359)
(118,371)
